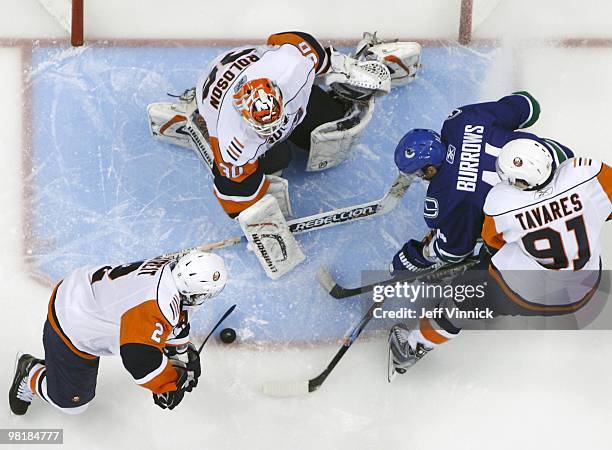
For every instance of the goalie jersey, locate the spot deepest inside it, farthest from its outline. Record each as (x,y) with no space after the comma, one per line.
(548,241)
(132,310)
(292,60)
(474,135)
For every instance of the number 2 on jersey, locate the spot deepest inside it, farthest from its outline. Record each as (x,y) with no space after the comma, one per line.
(159,330)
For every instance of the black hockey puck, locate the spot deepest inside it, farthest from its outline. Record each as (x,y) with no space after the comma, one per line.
(228,335)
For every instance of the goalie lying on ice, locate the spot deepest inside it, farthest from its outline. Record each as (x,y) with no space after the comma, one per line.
(255,103)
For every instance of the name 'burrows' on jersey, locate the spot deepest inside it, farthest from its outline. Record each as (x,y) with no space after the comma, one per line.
(467,175)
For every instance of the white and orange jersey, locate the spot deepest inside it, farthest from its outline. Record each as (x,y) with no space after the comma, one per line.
(130,310)
(555,231)
(291,60)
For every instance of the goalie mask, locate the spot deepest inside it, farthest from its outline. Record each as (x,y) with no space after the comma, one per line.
(260,102)
(199,276)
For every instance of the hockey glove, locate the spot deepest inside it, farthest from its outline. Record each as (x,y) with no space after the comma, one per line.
(187,359)
(193,367)
(411,258)
(171,399)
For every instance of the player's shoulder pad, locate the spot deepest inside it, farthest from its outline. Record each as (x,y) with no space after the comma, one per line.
(168,298)
(579,169)
(500,199)
(309,47)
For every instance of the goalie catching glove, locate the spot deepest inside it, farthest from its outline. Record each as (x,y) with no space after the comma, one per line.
(403,59)
(354,79)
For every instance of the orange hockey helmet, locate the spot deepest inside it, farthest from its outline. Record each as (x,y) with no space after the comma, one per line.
(260,102)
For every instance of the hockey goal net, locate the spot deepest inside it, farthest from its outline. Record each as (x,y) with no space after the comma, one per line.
(69,14)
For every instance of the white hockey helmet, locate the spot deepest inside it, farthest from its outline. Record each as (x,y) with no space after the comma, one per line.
(199,276)
(525,164)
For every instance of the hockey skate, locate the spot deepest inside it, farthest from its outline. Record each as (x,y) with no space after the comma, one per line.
(402,355)
(20,395)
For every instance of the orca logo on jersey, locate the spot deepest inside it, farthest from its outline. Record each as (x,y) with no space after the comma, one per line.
(431,209)
(470,158)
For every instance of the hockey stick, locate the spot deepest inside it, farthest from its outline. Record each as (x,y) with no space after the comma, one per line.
(227,313)
(338,291)
(302,387)
(326,219)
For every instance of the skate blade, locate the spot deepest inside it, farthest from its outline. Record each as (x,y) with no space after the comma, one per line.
(391,372)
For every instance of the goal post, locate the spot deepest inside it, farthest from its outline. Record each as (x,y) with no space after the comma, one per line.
(76,29)
(465,22)
(69,15)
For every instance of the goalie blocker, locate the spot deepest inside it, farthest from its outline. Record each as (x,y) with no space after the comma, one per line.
(269,237)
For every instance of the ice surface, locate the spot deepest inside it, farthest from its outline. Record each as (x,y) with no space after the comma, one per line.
(105,191)
(501,390)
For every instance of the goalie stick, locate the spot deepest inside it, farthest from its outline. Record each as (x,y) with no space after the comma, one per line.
(326,219)
(302,387)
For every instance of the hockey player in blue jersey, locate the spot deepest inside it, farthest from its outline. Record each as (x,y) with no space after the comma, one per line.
(460,165)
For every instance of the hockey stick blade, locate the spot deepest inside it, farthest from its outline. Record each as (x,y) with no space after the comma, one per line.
(338,291)
(328,283)
(285,388)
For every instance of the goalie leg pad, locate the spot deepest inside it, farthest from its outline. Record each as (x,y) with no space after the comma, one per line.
(180,124)
(167,123)
(279,189)
(331,143)
(200,142)
(269,237)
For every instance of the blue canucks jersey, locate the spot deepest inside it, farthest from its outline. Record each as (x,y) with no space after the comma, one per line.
(474,135)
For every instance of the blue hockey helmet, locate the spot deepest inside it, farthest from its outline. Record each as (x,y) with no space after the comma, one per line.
(419,148)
